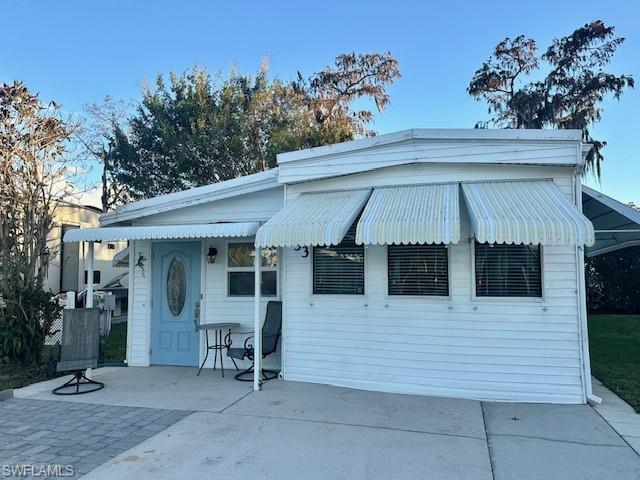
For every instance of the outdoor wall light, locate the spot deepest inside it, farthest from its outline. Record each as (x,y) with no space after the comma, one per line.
(211,255)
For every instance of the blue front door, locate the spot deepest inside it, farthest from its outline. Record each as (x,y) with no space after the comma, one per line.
(175,289)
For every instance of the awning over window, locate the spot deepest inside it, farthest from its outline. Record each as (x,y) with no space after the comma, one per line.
(212,230)
(313,219)
(525,212)
(412,214)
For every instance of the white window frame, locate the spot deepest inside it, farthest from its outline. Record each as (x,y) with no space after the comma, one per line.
(519,300)
(228,269)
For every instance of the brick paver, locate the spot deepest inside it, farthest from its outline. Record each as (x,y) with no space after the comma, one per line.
(43,432)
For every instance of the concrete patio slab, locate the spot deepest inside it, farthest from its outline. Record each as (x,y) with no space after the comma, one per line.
(175,388)
(528,441)
(533,459)
(206,445)
(327,404)
(294,430)
(574,423)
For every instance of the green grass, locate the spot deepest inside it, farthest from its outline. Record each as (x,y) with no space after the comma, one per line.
(614,342)
(116,342)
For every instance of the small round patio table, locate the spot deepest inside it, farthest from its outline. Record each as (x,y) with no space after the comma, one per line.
(219,345)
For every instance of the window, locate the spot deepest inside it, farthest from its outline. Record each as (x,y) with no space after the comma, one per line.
(418,270)
(96,276)
(176,286)
(240,270)
(508,270)
(339,269)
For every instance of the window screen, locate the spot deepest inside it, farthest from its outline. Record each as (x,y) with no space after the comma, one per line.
(339,269)
(508,270)
(418,270)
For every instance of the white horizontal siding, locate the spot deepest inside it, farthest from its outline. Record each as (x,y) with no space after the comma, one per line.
(426,151)
(461,346)
(218,307)
(140,306)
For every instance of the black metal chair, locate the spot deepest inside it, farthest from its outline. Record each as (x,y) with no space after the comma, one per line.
(271,330)
(79,350)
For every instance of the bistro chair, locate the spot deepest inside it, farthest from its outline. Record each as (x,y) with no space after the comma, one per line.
(271,330)
(79,350)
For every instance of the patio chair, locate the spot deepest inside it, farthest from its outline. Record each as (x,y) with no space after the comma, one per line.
(271,330)
(79,350)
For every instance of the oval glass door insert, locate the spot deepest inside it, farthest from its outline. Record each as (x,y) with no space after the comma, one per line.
(176,286)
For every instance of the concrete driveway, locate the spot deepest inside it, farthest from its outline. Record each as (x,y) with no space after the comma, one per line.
(294,430)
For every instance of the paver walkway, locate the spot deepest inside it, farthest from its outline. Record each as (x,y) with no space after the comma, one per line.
(43,432)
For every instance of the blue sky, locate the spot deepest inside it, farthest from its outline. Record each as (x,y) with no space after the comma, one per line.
(76,52)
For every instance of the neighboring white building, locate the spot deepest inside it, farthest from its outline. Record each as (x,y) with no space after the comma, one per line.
(67,265)
(436,262)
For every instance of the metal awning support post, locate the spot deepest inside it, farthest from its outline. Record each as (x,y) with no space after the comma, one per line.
(89,299)
(257,337)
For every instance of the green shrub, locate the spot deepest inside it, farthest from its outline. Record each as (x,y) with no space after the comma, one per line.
(26,319)
(613,282)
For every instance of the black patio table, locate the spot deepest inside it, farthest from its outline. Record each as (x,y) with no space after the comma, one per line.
(217,328)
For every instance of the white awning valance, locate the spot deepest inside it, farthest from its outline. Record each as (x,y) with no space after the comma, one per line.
(210,230)
(313,219)
(411,214)
(525,212)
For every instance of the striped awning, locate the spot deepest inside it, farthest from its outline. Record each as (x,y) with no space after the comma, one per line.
(313,219)
(525,212)
(411,214)
(208,230)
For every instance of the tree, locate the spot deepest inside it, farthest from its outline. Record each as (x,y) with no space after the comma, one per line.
(570,94)
(33,178)
(97,142)
(330,93)
(191,129)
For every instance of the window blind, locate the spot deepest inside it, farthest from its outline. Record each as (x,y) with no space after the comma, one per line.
(504,270)
(339,269)
(418,270)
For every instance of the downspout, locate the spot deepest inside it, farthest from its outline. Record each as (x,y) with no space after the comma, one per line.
(582,293)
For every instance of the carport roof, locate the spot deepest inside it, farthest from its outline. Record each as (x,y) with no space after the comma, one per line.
(616,225)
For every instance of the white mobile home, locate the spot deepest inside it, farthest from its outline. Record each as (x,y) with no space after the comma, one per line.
(436,262)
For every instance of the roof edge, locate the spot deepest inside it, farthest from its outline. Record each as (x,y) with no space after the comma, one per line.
(568,135)
(618,206)
(194,196)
